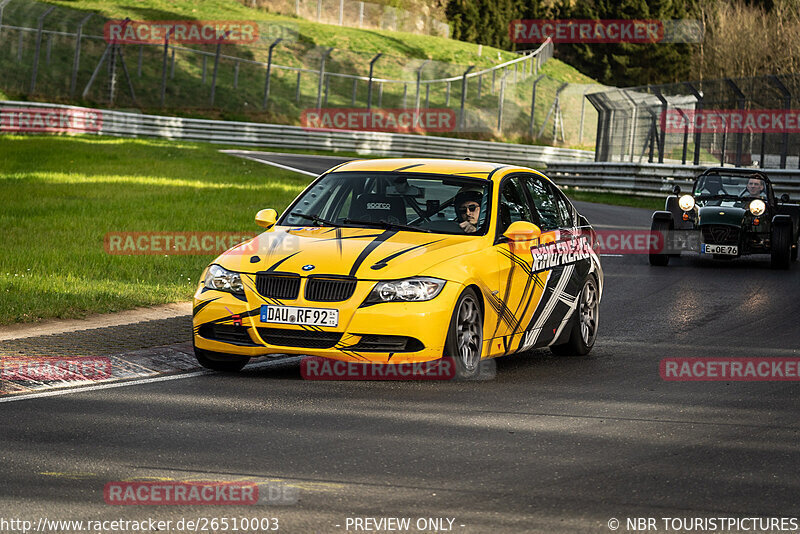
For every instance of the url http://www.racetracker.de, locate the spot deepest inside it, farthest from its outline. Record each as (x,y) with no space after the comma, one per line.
(195,524)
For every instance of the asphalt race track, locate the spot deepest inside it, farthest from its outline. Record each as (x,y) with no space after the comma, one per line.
(548,445)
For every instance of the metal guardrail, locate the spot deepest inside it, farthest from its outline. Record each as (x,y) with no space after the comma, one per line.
(128,124)
(650,179)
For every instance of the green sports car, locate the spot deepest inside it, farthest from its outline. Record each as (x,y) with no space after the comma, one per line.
(729,213)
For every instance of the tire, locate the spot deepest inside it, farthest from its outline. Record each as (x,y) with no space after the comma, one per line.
(664,227)
(781,246)
(217,361)
(465,336)
(585,319)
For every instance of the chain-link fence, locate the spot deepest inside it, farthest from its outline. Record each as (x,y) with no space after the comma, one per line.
(57,54)
(742,122)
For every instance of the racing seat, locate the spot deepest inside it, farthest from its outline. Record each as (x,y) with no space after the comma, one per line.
(374,208)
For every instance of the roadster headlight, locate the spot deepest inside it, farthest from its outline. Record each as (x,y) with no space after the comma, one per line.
(757,207)
(407,290)
(223,280)
(686,202)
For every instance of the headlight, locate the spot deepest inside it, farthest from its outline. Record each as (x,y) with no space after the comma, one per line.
(408,290)
(686,202)
(223,280)
(757,207)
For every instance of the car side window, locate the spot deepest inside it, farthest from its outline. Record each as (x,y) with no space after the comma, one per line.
(545,202)
(565,210)
(513,205)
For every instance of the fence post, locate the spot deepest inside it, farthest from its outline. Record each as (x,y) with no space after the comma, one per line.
(3,4)
(740,99)
(500,102)
(371,69)
(39,31)
(19,48)
(235,74)
(172,65)
(405,95)
(461,117)
(663,135)
(355,92)
(297,88)
(341,12)
(698,109)
(205,67)
(76,61)
(325,55)
(319,10)
(216,66)
(419,81)
(380,94)
(164,68)
(360,14)
(480,80)
(533,104)
(583,112)
(787,105)
(447,95)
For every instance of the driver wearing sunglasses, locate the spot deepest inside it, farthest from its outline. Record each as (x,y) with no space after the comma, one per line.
(468,210)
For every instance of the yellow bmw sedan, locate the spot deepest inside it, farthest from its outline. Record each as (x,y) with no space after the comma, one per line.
(407,260)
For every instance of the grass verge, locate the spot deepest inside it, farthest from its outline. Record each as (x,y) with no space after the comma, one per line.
(63,194)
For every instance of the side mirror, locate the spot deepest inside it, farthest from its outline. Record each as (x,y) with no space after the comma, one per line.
(785,197)
(266,218)
(676,190)
(523,231)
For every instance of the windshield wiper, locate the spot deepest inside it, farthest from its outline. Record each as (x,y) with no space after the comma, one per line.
(315,218)
(387,224)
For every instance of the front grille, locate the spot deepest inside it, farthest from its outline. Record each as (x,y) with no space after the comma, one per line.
(306,339)
(720,234)
(278,286)
(378,343)
(226,333)
(321,289)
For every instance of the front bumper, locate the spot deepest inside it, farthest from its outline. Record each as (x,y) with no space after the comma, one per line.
(226,324)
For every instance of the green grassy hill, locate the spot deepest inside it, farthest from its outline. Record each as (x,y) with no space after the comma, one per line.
(240,84)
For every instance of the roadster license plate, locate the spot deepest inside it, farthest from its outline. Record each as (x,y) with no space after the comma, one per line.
(299,316)
(728,250)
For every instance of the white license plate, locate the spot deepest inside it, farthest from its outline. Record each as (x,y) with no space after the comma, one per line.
(299,316)
(729,250)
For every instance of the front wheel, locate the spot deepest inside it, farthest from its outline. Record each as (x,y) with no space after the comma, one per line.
(465,336)
(584,323)
(226,363)
(659,227)
(781,252)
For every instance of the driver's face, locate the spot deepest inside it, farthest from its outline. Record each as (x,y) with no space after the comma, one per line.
(469,211)
(755,186)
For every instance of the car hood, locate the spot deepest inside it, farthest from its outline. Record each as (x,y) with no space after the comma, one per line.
(721,215)
(366,253)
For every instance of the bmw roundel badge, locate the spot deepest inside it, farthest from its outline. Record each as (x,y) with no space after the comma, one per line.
(308,267)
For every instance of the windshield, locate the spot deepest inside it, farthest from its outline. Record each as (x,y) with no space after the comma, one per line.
(740,186)
(406,201)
